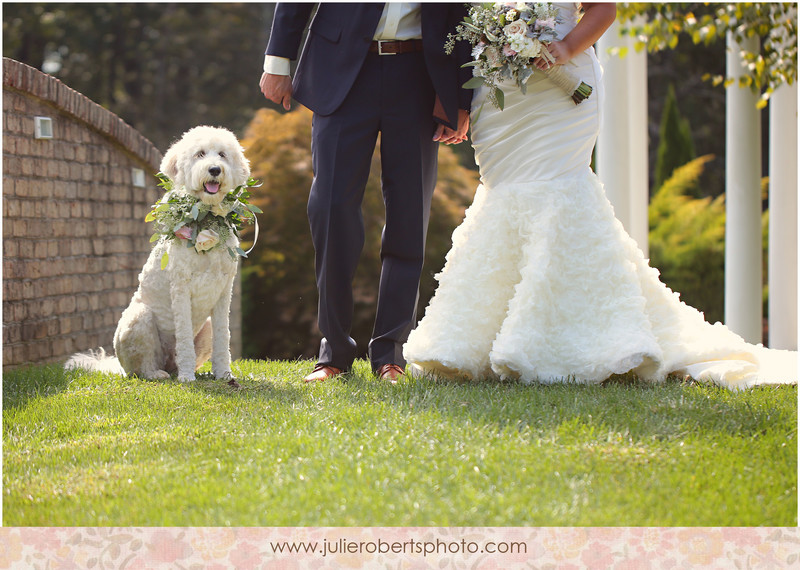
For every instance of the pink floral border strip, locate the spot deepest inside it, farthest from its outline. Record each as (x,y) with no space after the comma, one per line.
(440,548)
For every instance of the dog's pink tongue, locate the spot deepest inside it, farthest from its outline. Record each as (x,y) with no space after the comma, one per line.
(212,187)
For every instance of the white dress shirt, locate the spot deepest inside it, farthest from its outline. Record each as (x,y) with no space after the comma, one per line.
(399,21)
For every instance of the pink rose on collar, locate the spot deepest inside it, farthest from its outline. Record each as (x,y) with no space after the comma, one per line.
(184,233)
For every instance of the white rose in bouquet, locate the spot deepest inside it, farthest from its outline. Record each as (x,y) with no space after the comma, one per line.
(516,28)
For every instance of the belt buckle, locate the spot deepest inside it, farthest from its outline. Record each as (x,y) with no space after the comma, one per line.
(380,47)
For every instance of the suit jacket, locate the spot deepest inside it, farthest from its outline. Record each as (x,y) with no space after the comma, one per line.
(338,42)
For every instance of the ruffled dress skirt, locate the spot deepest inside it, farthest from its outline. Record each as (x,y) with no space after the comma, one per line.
(543,284)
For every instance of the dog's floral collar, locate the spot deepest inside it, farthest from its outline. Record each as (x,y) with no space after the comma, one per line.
(203,227)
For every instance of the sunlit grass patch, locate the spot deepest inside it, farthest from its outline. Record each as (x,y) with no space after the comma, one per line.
(91,449)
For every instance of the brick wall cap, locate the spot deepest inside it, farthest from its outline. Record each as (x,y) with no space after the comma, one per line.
(27,79)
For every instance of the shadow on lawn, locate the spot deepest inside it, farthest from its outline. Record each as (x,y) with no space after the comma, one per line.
(256,388)
(20,385)
(624,405)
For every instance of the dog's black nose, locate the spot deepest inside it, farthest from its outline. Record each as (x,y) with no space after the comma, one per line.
(214,170)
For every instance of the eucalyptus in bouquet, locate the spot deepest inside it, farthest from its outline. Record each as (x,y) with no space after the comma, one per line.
(505,38)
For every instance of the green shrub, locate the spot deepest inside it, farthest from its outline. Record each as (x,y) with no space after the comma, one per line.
(687,240)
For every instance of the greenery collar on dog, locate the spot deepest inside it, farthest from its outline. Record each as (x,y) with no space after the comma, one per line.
(185,218)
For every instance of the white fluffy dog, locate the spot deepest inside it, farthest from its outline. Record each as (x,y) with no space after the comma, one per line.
(179,315)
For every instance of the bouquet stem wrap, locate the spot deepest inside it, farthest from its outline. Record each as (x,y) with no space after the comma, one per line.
(569,83)
(566,80)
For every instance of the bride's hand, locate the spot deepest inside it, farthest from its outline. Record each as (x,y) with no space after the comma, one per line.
(559,55)
(448,136)
(597,17)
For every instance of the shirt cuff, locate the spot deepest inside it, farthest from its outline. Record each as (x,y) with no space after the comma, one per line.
(276,65)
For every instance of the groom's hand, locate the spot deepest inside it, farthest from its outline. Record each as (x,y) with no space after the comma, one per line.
(447,135)
(277,88)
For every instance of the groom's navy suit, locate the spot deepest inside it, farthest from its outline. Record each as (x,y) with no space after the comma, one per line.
(356,94)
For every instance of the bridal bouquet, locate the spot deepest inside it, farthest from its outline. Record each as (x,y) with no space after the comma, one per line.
(182,217)
(505,38)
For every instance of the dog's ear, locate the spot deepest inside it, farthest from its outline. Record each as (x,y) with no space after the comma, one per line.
(242,166)
(169,164)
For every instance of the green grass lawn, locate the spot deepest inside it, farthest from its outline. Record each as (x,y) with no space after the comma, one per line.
(93,450)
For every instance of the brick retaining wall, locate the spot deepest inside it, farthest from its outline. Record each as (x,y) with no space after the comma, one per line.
(74,237)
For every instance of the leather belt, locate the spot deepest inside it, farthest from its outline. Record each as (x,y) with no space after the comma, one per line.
(395,47)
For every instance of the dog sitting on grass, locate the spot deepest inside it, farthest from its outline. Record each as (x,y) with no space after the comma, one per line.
(178,318)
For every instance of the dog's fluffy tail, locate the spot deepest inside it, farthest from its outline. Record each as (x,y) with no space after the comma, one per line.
(95,361)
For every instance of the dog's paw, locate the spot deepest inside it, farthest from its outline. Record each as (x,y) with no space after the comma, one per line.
(161,375)
(229,378)
(185,378)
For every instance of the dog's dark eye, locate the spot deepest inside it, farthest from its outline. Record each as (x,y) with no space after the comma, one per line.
(222,154)
(200,154)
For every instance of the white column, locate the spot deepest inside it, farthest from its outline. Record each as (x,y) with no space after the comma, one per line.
(621,158)
(782,266)
(639,227)
(743,258)
(611,156)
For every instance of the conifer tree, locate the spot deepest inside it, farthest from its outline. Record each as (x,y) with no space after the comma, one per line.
(675,146)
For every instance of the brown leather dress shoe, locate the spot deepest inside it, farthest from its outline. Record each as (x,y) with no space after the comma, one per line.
(323,372)
(390,372)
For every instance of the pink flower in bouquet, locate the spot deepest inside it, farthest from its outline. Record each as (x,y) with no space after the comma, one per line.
(184,233)
(508,52)
(544,24)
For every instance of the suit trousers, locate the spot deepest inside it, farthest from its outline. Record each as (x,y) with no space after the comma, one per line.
(393,96)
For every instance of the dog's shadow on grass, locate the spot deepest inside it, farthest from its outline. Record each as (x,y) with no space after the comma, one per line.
(258,387)
(254,379)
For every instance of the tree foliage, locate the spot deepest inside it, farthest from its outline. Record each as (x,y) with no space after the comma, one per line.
(675,146)
(163,68)
(278,283)
(773,23)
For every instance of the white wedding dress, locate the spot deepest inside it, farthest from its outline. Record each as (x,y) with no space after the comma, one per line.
(543,284)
